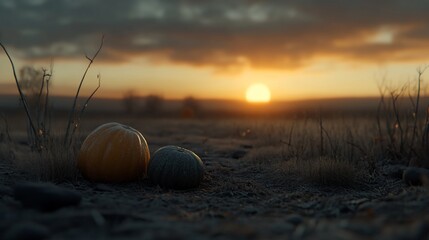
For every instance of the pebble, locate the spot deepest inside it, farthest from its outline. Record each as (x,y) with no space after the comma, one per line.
(362,229)
(295,219)
(394,171)
(6,191)
(301,232)
(45,196)
(250,210)
(417,230)
(27,230)
(415,176)
(279,228)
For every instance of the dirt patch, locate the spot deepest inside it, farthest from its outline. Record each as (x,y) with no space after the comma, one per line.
(239,198)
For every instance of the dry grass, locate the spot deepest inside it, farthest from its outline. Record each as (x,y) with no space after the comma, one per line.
(5,152)
(55,163)
(286,146)
(294,149)
(56,166)
(327,171)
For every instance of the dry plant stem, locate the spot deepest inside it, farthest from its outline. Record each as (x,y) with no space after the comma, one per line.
(381,104)
(85,106)
(426,131)
(322,133)
(398,124)
(6,127)
(21,94)
(41,109)
(383,107)
(420,72)
(67,138)
(322,152)
(351,143)
(42,86)
(46,107)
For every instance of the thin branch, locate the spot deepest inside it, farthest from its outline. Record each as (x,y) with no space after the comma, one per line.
(398,123)
(420,72)
(90,96)
(6,127)
(357,147)
(73,109)
(46,125)
(46,116)
(85,106)
(329,139)
(21,94)
(321,135)
(42,86)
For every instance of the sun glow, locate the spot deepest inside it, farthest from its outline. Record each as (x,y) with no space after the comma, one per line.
(258,93)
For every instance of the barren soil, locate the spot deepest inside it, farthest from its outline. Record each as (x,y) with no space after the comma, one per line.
(237,199)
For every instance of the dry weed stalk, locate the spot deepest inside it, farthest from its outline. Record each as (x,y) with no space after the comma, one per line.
(402,128)
(52,153)
(75,115)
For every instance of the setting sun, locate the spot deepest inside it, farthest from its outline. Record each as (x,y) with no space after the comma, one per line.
(258,93)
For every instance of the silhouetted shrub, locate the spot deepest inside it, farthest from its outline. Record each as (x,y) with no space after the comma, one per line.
(153,104)
(130,101)
(190,108)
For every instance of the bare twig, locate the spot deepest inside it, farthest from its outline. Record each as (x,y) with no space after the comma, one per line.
(398,123)
(6,127)
(85,106)
(357,147)
(420,72)
(21,94)
(73,109)
(322,152)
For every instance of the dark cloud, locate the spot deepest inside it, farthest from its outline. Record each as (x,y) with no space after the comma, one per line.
(224,34)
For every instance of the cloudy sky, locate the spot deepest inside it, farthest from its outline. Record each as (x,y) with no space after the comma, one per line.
(216,49)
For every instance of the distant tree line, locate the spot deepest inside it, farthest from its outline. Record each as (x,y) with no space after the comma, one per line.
(154,105)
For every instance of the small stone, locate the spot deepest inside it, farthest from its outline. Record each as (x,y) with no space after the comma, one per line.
(345,209)
(6,191)
(295,219)
(363,229)
(394,171)
(250,210)
(238,154)
(279,228)
(415,176)
(45,196)
(420,230)
(28,230)
(300,232)
(417,230)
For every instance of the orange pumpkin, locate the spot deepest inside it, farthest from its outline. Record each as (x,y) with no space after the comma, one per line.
(114,152)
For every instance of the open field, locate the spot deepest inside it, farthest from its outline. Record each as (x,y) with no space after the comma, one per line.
(275,119)
(265,179)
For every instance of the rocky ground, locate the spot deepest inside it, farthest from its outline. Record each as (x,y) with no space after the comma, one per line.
(235,201)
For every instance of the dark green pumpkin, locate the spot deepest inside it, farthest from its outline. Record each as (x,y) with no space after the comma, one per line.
(175,167)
